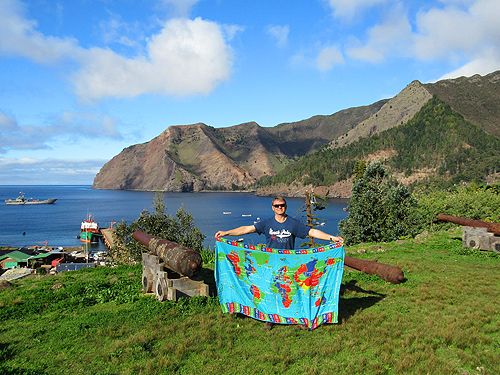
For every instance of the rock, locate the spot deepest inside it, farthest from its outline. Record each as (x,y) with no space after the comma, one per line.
(423,235)
(57,286)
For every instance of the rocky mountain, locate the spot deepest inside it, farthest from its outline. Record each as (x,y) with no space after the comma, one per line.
(200,157)
(477,98)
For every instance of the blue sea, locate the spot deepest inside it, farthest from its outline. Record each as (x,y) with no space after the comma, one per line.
(58,224)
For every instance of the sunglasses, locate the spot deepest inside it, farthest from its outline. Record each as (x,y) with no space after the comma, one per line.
(279,205)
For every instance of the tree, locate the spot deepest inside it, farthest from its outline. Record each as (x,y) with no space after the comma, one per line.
(359,169)
(379,211)
(314,202)
(179,228)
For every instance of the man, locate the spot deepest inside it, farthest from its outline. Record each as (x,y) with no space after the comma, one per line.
(280,232)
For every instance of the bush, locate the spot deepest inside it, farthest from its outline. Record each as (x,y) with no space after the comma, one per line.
(179,228)
(379,211)
(476,203)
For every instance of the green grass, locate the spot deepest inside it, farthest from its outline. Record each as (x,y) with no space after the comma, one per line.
(443,320)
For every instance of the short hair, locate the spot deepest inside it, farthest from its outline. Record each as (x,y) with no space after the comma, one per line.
(279,199)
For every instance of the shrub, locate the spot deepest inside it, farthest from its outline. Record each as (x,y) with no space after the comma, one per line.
(379,211)
(476,203)
(179,228)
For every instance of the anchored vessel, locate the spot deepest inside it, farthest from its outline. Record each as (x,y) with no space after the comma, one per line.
(20,200)
(89,231)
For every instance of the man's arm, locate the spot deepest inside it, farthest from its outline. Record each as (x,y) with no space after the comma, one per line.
(236,231)
(316,233)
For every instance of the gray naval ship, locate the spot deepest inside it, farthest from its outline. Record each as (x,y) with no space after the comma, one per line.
(21,200)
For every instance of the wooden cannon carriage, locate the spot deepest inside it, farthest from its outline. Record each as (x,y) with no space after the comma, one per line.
(170,270)
(477,234)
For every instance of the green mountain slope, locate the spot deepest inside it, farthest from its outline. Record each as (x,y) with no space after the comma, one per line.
(437,139)
(477,98)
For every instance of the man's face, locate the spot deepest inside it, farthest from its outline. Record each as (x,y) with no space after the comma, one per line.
(279,206)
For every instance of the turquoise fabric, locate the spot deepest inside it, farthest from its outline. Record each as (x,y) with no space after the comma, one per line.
(280,286)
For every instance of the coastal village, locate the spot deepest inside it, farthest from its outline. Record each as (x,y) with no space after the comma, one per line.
(43,259)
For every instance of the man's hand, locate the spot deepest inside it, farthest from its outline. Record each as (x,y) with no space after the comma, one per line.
(221,233)
(336,239)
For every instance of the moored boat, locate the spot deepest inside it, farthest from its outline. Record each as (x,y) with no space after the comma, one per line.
(21,200)
(90,231)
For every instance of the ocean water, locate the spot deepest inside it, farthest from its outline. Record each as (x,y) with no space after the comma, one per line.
(58,224)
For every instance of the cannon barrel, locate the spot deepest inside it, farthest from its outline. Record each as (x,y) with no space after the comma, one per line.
(391,274)
(490,227)
(176,257)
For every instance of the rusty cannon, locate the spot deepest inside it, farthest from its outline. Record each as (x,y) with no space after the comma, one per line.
(391,274)
(169,269)
(476,234)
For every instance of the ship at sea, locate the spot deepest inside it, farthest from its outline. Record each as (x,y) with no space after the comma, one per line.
(90,231)
(21,200)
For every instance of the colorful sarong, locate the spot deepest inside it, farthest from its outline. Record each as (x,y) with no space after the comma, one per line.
(280,286)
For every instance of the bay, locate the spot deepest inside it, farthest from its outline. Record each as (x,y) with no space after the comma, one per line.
(58,224)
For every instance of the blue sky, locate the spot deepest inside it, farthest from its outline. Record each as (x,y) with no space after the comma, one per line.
(82,79)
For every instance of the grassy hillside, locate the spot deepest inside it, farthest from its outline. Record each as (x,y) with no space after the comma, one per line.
(436,139)
(302,137)
(443,320)
(476,97)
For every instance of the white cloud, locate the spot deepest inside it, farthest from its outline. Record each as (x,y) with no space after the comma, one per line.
(18,37)
(392,37)
(458,30)
(463,33)
(328,57)
(187,57)
(29,171)
(484,64)
(181,8)
(62,128)
(348,9)
(115,30)
(7,123)
(279,33)
(34,164)
(445,31)
(232,30)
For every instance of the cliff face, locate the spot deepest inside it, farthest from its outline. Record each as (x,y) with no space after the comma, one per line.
(394,112)
(182,158)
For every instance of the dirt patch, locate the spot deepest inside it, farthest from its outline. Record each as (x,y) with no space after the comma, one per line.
(4,284)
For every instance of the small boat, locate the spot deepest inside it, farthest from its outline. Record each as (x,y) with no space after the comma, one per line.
(20,200)
(226,212)
(246,215)
(90,232)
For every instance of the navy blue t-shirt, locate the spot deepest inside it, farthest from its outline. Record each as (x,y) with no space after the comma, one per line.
(282,235)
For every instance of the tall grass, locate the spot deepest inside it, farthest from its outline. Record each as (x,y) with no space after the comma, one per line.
(443,320)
